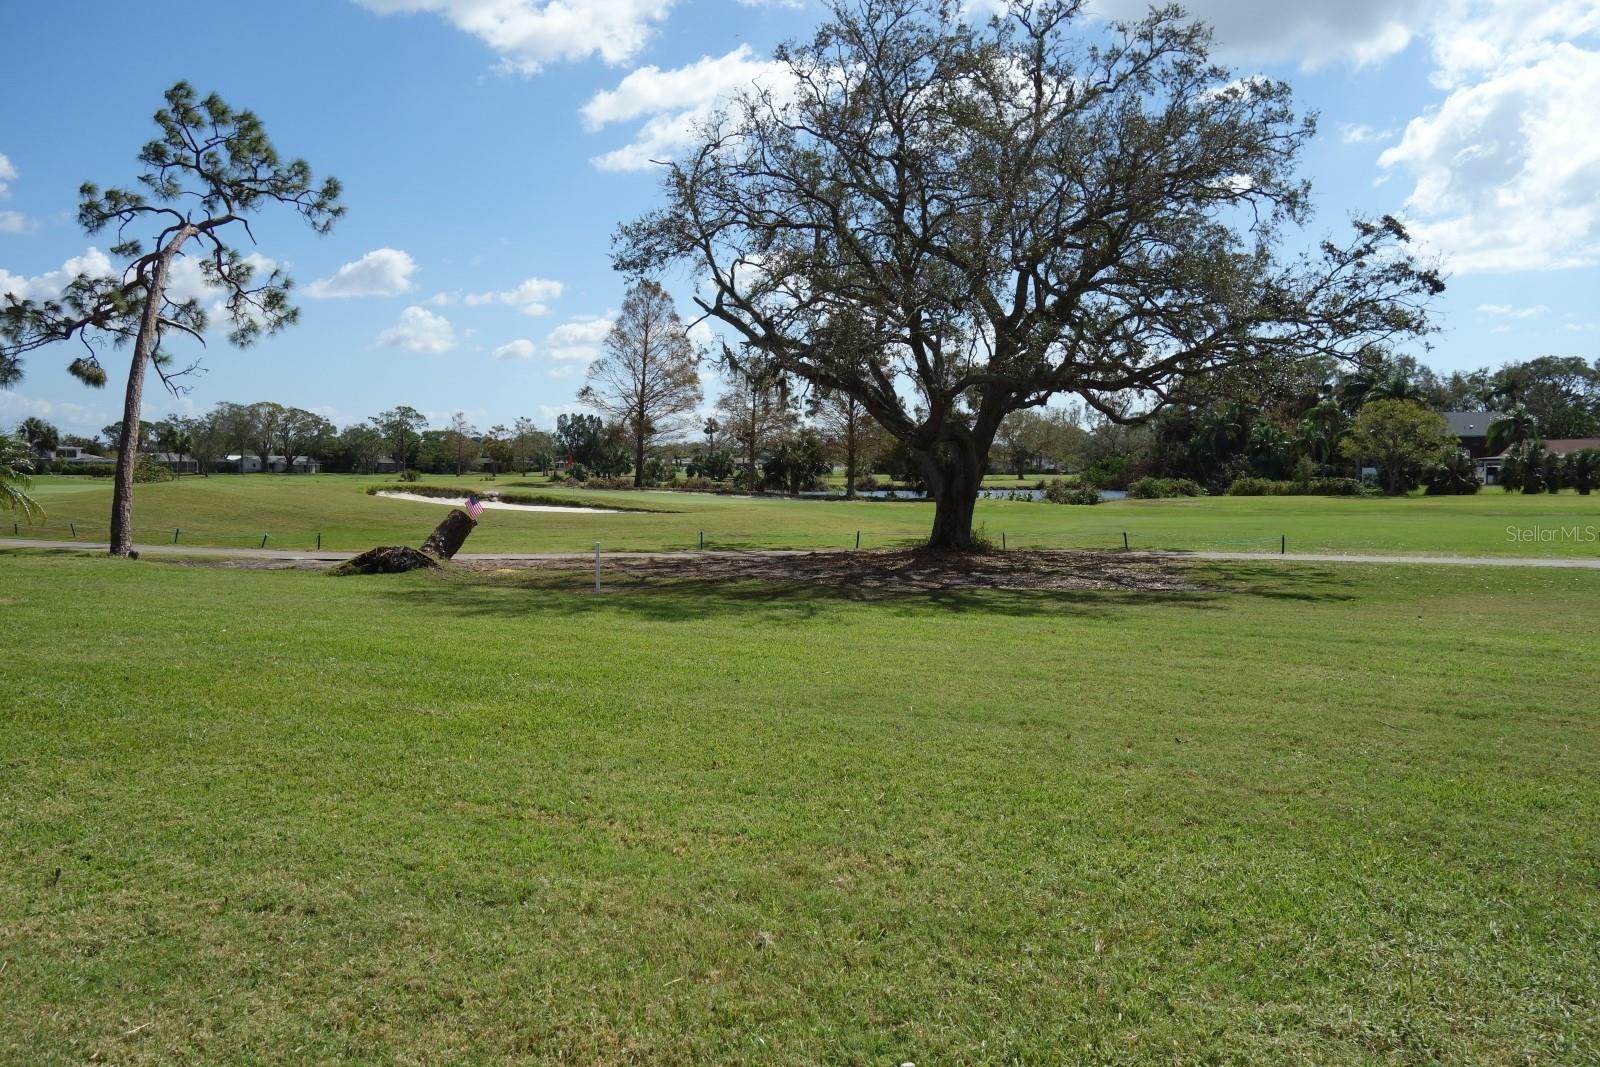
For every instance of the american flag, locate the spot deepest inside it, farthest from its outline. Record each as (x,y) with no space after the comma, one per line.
(474,505)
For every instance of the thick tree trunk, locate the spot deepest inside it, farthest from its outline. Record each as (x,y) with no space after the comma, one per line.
(144,347)
(638,462)
(953,477)
(448,537)
(850,466)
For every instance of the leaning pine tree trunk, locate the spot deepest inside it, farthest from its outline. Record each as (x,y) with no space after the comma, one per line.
(133,401)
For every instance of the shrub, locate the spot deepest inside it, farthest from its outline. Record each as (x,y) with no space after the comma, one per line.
(409,475)
(609,483)
(146,469)
(1340,487)
(93,470)
(1108,473)
(1250,486)
(659,470)
(1151,488)
(866,483)
(1060,492)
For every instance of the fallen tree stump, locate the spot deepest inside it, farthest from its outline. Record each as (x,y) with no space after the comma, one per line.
(386,559)
(448,537)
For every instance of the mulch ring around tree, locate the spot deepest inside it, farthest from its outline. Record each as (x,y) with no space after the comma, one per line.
(916,570)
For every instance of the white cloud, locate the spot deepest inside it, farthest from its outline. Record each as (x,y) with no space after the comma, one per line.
(701,333)
(1314,32)
(530,296)
(67,416)
(578,339)
(10,221)
(673,101)
(1360,133)
(1508,311)
(381,272)
(1506,170)
(518,349)
(186,282)
(419,330)
(49,285)
(531,33)
(1472,38)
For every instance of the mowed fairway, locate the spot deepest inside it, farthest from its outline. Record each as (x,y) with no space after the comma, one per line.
(1310,814)
(293,510)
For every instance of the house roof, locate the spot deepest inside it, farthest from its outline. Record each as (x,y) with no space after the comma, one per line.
(1469,423)
(1565,446)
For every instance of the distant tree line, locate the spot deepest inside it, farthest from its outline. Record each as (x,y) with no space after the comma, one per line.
(1319,422)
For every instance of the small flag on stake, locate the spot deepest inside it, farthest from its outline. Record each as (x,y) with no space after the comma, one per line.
(474,505)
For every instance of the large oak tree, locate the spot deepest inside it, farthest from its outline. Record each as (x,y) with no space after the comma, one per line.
(206,174)
(951,219)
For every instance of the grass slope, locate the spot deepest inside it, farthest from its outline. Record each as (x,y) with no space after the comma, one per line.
(294,509)
(1320,815)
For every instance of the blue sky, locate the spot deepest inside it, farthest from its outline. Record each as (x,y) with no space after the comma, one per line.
(489,147)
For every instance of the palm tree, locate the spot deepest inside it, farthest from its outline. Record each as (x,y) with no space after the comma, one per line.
(1583,468)
(1321,429)
(1528,467)
(40,436)
(174,439)
(1455,475)
(1552,470)
(1224,432)
(1515,427)
(1395,385)
(1351,390)
(16,461)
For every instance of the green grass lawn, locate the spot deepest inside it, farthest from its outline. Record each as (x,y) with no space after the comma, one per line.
(293,509)
(1328,814)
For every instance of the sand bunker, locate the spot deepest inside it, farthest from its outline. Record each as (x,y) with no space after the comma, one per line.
(460,501)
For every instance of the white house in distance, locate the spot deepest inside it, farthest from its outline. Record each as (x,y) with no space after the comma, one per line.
(249,463)
(74,454)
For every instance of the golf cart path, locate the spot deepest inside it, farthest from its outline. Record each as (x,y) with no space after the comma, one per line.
(331,556)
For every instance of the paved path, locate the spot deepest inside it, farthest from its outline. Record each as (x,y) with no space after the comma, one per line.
(1452,561)
(289,555)
(330,556)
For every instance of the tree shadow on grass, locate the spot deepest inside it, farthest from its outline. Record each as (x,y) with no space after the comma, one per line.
(792,589)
